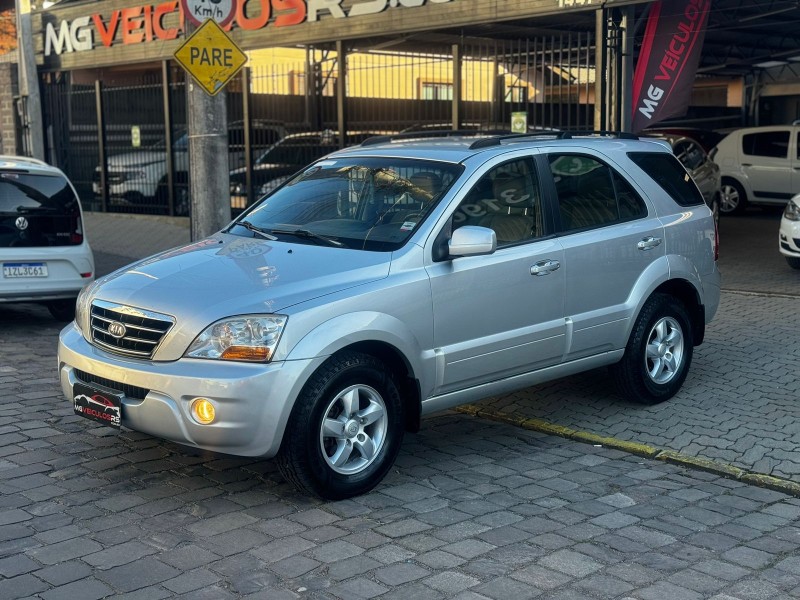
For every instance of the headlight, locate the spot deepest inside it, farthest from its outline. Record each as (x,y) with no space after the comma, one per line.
(82,307)
(792,212)
(249,337)
(135,175)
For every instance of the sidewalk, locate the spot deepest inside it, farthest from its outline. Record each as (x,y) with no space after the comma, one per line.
(118,239)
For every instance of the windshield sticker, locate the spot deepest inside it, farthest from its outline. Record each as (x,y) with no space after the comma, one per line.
(408,226)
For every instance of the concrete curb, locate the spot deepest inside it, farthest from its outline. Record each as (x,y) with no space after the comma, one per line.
(671,456)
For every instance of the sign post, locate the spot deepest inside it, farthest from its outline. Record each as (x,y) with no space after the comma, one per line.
(211,59)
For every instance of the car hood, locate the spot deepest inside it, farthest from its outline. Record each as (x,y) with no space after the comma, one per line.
(226,275)
(132,160)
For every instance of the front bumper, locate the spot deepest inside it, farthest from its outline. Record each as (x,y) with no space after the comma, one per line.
(789,238)
(252,401)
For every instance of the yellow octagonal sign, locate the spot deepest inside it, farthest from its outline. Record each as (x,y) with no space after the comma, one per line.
(211,57)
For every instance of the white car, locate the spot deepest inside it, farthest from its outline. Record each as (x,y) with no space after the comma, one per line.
(789,235)
(759,165)
(43,249)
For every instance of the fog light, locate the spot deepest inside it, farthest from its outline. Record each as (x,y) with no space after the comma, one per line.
(203,411)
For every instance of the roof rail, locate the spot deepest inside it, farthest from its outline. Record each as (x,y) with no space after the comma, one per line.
(559,135)
(414,135)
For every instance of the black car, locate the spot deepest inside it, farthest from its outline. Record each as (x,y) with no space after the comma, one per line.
(283,159)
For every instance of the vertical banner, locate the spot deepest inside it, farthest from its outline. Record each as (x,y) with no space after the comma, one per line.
(665,70)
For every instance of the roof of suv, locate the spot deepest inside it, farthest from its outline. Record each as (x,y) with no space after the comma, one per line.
(29,164)
(459,148)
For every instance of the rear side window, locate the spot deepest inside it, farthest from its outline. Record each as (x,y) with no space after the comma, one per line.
(591,194)
(774,144)
(667,172)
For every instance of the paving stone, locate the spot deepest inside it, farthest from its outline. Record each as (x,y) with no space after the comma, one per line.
(85,589)
(571,563)
(17,565)
(63,551)
(451,582)
(138,574)
(358,588)
(399,574)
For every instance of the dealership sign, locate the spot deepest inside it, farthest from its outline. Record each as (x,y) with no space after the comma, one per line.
(147,23)
(665,71)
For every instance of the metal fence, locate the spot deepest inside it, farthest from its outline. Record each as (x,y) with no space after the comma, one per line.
(122,141)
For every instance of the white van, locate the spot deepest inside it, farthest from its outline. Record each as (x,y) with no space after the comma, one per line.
(760,165)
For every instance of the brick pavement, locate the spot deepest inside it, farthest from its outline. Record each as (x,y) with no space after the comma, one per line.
(473,510)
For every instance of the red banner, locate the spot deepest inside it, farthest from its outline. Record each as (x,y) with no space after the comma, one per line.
(673,40)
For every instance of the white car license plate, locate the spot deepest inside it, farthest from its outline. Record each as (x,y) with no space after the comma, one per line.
(21,270)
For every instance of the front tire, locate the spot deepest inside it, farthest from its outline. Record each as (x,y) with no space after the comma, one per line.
(733,200)
(658,354)
(345,429)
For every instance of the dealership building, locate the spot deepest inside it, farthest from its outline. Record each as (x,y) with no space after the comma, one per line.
(337,70)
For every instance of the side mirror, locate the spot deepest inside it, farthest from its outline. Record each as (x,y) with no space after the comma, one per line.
(471,240)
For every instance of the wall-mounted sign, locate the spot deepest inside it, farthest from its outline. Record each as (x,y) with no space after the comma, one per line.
(519,122)
(147,23)
(136,136)
(211,57)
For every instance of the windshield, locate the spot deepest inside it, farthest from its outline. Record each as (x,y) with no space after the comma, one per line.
(357,203)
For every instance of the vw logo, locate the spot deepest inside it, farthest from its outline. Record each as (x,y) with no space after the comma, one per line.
(21,223)
(117,329)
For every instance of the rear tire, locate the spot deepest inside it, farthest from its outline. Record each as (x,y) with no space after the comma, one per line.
(62,310)
(793,261)
(733,200)
(658,354)
(345,429)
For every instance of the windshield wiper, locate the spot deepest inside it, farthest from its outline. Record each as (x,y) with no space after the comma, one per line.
(255,229)
(305,233)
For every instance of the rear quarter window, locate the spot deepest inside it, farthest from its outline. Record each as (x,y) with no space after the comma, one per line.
(670,175)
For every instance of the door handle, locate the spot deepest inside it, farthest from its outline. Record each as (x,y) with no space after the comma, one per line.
(648,243)
(545,267)
(747,164)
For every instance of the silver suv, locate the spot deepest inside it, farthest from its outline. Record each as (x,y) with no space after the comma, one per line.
(395,279)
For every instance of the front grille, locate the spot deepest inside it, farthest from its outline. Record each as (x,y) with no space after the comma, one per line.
(143,329)
(130,391)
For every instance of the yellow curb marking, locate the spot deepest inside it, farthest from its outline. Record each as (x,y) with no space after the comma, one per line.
(771,482)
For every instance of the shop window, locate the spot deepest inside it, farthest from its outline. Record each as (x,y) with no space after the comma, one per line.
(436,91)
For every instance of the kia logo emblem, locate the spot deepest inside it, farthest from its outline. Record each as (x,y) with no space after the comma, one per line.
(116,329)
(21,223)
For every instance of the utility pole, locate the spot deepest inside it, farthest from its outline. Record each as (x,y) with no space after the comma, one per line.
(210,58)
(209,177)
(29,82)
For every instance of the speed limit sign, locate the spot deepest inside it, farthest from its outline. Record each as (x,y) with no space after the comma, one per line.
(221,11)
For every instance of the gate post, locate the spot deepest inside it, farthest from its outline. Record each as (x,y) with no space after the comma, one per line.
(248,142)
(165,92)
(457,87)
(341,92)
(101,144)
(599,70)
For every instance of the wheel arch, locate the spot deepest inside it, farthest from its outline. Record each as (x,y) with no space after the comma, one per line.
(381,336)
(687,293)
(399,365)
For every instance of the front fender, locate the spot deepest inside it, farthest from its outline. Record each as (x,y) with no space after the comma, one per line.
(366,326)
